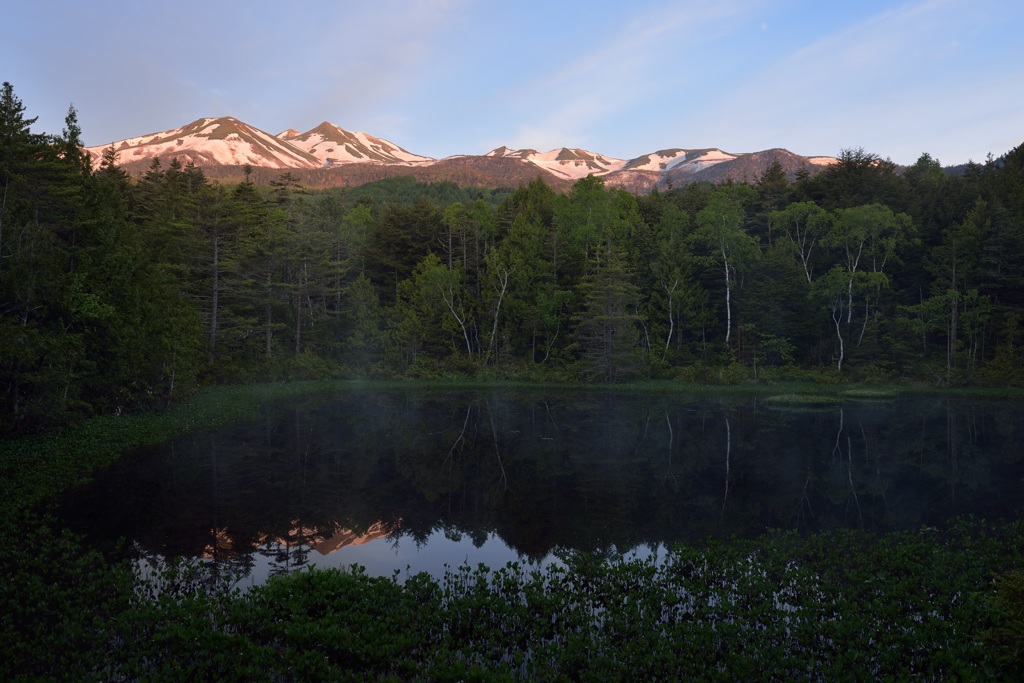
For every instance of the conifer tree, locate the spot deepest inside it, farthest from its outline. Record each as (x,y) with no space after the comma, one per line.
(608,337)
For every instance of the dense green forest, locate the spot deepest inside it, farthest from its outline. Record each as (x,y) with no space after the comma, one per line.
(117,293)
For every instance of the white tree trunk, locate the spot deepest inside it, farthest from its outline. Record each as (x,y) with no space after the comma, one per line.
(728,298)
(449,300)
(505,274)
(836,318)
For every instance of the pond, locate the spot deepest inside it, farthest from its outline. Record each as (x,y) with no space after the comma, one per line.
(412,480)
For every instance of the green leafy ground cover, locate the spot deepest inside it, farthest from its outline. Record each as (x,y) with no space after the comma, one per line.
(839,606)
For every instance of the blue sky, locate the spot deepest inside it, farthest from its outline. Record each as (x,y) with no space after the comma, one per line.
(442,77)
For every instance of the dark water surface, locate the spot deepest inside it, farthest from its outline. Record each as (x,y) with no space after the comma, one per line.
(418,479)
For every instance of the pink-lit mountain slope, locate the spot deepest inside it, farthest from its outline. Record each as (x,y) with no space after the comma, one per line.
(331,155)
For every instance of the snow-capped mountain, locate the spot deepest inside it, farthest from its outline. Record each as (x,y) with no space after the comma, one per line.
(342,157)
(332,145)
(225,141)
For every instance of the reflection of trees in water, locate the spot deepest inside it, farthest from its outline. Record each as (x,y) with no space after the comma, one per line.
(557,469)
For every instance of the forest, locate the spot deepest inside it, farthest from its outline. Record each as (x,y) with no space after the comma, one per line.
(119,293)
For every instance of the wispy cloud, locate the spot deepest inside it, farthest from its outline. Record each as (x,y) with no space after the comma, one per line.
(612,73)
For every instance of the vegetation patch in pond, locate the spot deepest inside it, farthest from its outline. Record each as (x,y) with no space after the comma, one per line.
(876,394)
(806,401)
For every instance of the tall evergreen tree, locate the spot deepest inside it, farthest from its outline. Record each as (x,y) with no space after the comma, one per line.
(38,299)
(609,341)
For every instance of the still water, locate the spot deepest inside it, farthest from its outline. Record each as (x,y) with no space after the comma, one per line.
(413,480)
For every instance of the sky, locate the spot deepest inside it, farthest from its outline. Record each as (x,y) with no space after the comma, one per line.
(896,78)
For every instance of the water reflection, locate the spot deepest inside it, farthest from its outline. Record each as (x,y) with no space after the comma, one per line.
(400,479)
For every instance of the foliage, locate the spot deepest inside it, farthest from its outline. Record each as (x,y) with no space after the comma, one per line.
(1006,636)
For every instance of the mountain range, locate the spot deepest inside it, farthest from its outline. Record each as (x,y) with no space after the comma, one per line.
(329,155)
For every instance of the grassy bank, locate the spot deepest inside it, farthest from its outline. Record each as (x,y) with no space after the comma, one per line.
(836,606)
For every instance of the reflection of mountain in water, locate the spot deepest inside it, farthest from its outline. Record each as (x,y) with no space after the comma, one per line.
(324,543)
(561,469)
(346,537)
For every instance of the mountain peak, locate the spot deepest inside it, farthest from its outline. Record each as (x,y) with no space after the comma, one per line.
(326,127)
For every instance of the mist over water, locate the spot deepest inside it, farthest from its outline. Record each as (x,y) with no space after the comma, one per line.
(413,480)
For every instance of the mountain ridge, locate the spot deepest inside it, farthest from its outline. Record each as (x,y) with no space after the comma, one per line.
(335,156)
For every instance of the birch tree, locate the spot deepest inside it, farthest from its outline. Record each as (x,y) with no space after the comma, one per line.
(804,224)
(434,300)
(672,274)
(867,239)
(721,240)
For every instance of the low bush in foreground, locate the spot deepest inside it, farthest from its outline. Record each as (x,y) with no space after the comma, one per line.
(836,606)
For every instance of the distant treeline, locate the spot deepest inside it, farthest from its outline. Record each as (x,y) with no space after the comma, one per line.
(116,293)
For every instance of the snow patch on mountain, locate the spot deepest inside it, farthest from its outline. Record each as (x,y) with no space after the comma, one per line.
(700,159)
(692,161)
(564,162)
(660,161)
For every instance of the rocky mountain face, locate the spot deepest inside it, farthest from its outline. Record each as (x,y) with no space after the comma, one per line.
(329,155)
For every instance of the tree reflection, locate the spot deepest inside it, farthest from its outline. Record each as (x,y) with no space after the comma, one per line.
(591,471)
